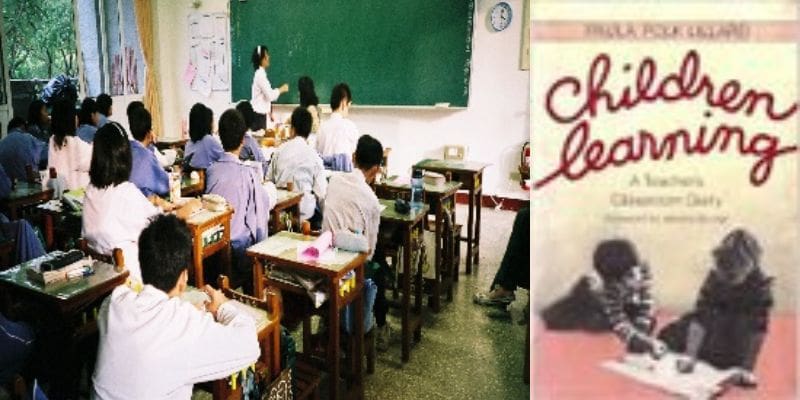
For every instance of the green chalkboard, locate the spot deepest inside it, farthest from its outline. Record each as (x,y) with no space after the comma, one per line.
(393,52)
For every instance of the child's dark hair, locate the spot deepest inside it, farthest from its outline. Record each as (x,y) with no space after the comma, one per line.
(165,248)
(231,129)
(141,123)
(132,106)
(63,121)
(88,107)
(301,122)
(308,96)
(614,258)
(200,120)
(369,152)
(16,122)
(35,112)
(111,156)
(248,114)
(340,93)
(259,52)
(104,104)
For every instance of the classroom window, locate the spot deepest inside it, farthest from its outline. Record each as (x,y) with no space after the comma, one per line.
(109,41)
(40,37)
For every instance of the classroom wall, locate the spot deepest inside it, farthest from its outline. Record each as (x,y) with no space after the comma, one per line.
(494,125)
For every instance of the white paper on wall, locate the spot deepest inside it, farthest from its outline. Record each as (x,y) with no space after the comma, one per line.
(209,51)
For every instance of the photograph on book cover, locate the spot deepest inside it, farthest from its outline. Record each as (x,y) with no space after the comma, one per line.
(665,218)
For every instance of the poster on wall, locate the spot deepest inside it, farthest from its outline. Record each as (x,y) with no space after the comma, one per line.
(665,219)
(208,67)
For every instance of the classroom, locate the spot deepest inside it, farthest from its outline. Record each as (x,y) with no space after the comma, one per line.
(240,199)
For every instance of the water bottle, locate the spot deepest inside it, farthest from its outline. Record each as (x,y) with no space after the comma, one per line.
(55,184)
(416,188)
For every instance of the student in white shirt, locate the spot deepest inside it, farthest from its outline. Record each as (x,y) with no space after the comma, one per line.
(338,135)
(114,210)
(295,161)
(262,93)
(351,205)
(153,344)
(67,153)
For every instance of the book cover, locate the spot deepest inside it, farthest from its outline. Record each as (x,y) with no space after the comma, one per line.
(665,203)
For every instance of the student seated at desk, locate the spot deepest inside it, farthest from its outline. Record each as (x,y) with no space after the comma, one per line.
(146,173)
(114,210)
(39,121)
(240,184)
(295,161)
(27,243)
(68,154)
(338,135)
(153,345)
(19,149)
(251,151)
(203,149)
(88,118)
(163,160)
(351,205)
(104,107)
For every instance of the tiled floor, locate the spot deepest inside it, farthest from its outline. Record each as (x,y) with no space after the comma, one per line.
(464,354)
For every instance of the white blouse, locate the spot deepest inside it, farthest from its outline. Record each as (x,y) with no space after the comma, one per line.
(114,217)
(71,161)
(262,93)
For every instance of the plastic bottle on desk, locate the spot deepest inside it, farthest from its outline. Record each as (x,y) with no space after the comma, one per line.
(175,185)
(416,188)
(55,184)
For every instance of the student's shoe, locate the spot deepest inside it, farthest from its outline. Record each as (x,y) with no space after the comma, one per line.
(384,337)
(497,297)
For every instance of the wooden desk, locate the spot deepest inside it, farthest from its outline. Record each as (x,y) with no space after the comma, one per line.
(280,252)
(441,200)
(289,202)
(196,188)
(66,304)
(408,223)
(470,174)
(25,195)
(210,221)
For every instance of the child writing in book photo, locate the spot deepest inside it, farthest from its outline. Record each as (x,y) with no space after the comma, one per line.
(626,298)
(729,322)
(620,301)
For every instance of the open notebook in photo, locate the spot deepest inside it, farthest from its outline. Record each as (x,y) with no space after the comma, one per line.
(665,217)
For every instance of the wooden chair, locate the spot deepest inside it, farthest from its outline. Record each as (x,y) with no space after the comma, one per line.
(115,258)
(268,369)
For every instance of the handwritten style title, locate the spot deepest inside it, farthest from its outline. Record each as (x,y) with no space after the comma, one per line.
(582,154)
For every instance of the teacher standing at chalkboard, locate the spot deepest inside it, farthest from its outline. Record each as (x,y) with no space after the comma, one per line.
(262,93)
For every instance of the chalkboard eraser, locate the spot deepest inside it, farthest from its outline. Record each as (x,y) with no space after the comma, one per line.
(442,105)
